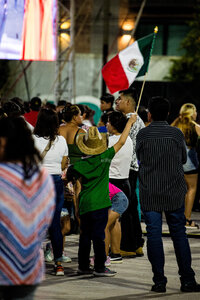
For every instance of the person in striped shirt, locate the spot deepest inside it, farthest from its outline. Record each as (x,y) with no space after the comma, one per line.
(161,152)
(27,202)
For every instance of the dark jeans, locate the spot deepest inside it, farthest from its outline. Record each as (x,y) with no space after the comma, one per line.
(17,292)
(92,228)
(130,224)
(176,222)
(55,227)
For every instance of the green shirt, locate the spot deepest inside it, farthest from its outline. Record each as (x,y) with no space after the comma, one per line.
(74,153)
(95,178)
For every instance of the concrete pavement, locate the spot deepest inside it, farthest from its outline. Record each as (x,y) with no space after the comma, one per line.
(133,279)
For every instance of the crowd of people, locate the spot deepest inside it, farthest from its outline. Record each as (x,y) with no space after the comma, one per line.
(57,168)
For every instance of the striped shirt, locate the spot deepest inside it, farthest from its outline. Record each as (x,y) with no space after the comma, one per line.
(26,210)
(139,124)
(161,153)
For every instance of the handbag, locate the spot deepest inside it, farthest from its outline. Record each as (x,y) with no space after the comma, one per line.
(47,148)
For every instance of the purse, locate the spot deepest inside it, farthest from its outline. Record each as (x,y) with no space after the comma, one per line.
(46,149)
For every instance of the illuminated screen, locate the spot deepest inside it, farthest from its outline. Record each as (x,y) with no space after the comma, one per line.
(28,29)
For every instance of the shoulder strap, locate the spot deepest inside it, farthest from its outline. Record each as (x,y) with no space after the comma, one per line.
(76,135)
(46,149)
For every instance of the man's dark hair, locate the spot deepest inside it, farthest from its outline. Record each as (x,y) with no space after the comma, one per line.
(118,120)
(131,92)
(143,113)
(108,98)
(50,105)
(104,118)
(61,103)
(159,108)
(35,103)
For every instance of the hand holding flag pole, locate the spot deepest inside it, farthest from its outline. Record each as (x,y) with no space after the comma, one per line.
(152,45)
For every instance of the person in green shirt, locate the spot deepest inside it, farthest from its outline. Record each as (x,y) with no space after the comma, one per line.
(94,201)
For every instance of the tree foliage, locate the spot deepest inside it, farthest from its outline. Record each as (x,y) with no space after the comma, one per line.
(187,67)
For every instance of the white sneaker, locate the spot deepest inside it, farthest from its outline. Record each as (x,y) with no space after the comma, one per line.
(66,259)
(107,262)
(48,257)
(59,270)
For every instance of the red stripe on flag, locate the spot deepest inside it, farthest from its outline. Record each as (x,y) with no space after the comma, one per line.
(114,75)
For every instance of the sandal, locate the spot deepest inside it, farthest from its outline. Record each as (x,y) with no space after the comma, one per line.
(191,224)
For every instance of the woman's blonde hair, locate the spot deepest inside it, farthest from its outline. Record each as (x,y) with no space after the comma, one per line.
(187,110)
(185,121)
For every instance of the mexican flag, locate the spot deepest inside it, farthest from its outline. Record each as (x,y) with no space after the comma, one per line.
(120,72)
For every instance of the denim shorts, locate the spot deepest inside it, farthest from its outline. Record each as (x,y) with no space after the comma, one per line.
(192,163)
(119,203)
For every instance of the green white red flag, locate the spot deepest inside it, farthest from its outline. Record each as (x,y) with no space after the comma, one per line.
(120,72)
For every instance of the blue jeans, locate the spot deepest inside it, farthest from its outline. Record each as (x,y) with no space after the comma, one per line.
(92,228)
(55,227)
(176,222)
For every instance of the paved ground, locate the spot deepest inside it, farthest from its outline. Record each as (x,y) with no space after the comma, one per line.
(133,279)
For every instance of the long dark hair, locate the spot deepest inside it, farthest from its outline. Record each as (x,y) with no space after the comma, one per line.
(19,145)
(47,124)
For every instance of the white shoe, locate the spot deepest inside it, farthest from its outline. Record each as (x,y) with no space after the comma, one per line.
(66,259)
(48,257)
(59,270)
(107,262)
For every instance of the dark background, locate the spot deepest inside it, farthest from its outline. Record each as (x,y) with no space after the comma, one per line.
(177,93)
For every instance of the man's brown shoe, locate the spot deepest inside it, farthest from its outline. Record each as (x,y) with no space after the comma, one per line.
(139,252)
(127,254)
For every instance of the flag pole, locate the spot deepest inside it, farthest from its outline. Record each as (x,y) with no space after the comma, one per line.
(141,92)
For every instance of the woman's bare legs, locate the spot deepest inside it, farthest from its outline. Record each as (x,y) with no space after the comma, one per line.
(191,181)
(115,236)
(112,218)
